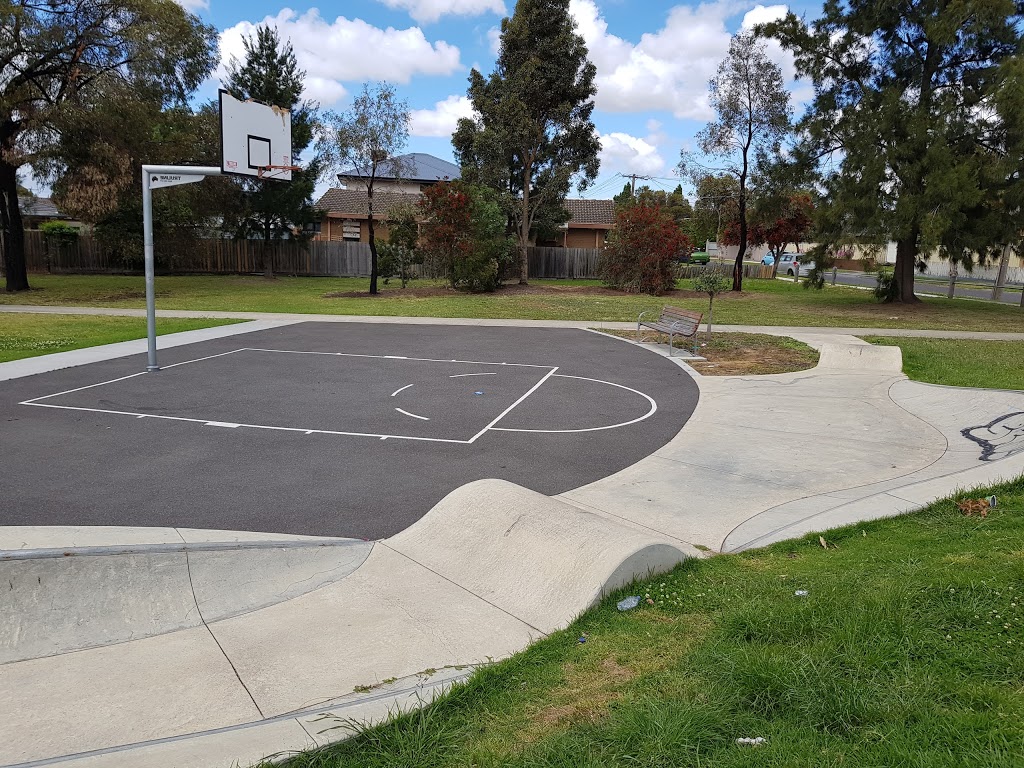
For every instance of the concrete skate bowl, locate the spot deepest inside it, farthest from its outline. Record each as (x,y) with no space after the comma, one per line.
(142,650)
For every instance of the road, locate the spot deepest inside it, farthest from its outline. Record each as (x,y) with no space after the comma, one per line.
(965,288)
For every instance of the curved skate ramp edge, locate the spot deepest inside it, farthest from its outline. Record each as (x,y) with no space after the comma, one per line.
(864,358)
(62,600)
(539,559)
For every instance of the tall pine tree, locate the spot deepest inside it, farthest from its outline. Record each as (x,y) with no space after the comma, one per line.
(274,209)
(532,134)
(900,113)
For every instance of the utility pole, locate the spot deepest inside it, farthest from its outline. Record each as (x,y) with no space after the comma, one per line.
(632,182)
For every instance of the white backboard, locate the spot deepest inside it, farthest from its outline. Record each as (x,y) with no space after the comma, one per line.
(254,138)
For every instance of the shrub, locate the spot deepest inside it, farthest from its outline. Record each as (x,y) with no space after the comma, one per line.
(464,235)
(58,233)
(641,250)
(399,254)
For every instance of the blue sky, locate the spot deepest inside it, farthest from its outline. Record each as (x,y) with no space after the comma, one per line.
(653,57)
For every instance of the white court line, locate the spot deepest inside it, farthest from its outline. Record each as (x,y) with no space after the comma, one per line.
(460,375)
(508,410)
(424,418)
(400,389)
(123,378)
(654,407)
(303,430)
(390,357)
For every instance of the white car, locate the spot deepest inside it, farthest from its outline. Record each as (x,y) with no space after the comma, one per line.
(790,263)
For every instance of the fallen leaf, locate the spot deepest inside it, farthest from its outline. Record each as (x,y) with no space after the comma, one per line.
(824,544)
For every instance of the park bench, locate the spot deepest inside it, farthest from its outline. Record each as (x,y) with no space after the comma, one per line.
(674,322)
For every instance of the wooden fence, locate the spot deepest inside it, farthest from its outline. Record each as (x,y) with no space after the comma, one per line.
(566,263)
(311,259)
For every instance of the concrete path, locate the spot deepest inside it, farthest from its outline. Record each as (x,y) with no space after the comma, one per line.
(210,648)
(282,317)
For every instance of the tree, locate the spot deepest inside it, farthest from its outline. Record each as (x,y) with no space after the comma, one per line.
(367,139)
(674,203)
(712,283)
(464,234)
(400,253)
(753,116)
(642,248)
(532,133)
(56,56)
(715,205)
(776,221)
(93,166)
(270,74)
(900,114)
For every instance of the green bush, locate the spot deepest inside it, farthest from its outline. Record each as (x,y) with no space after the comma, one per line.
(59,234)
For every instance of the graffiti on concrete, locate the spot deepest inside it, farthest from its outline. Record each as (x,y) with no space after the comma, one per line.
(1000,438)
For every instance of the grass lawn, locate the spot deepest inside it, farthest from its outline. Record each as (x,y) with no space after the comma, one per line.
(765,302)
(732,354)
(28,335)
(907,651)
(961,363)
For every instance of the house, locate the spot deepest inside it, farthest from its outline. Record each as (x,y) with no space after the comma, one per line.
(345,214)
(589,223)
(39,210)
(419,170)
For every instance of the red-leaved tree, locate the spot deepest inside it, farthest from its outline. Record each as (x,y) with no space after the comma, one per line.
(777,223)
(641,250)
(446,234)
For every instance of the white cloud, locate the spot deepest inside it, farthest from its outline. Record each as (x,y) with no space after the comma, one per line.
(194,5)
(623,153)
(442,119)
(762,14)
(429,11)
(494,39)
(668,69)
(347,50)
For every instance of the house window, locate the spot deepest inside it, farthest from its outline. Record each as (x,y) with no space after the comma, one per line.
(312,226)
(350,229)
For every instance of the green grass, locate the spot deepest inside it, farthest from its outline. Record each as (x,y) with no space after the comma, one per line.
(28,335)
(764,303)
(961,363)
(908,651)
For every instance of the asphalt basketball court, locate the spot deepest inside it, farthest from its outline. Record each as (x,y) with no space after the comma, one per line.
(340,429)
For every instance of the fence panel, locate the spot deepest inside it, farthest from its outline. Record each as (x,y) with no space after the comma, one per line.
(318,258)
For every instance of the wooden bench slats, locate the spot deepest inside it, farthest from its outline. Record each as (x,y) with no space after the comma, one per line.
(674,322)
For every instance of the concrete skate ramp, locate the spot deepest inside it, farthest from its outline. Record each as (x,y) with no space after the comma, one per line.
(63,600)
(537,558)
(865,358)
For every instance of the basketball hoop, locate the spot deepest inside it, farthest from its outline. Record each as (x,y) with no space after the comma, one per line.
(271,171)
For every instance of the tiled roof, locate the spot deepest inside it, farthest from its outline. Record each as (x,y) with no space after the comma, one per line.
(42,207)
(591,211)
(417,166)
(353,202)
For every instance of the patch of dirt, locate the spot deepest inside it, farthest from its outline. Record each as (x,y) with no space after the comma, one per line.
(739,354)
(591,690)
(757,362)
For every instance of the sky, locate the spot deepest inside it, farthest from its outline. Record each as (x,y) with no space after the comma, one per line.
(653,57)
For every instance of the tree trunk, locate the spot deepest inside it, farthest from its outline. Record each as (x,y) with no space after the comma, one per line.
(906,262)
(373,243)
(737,270)
(12,233)
(524,229)
(268,255)
(711,309)
(1004,266)
(953,271)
